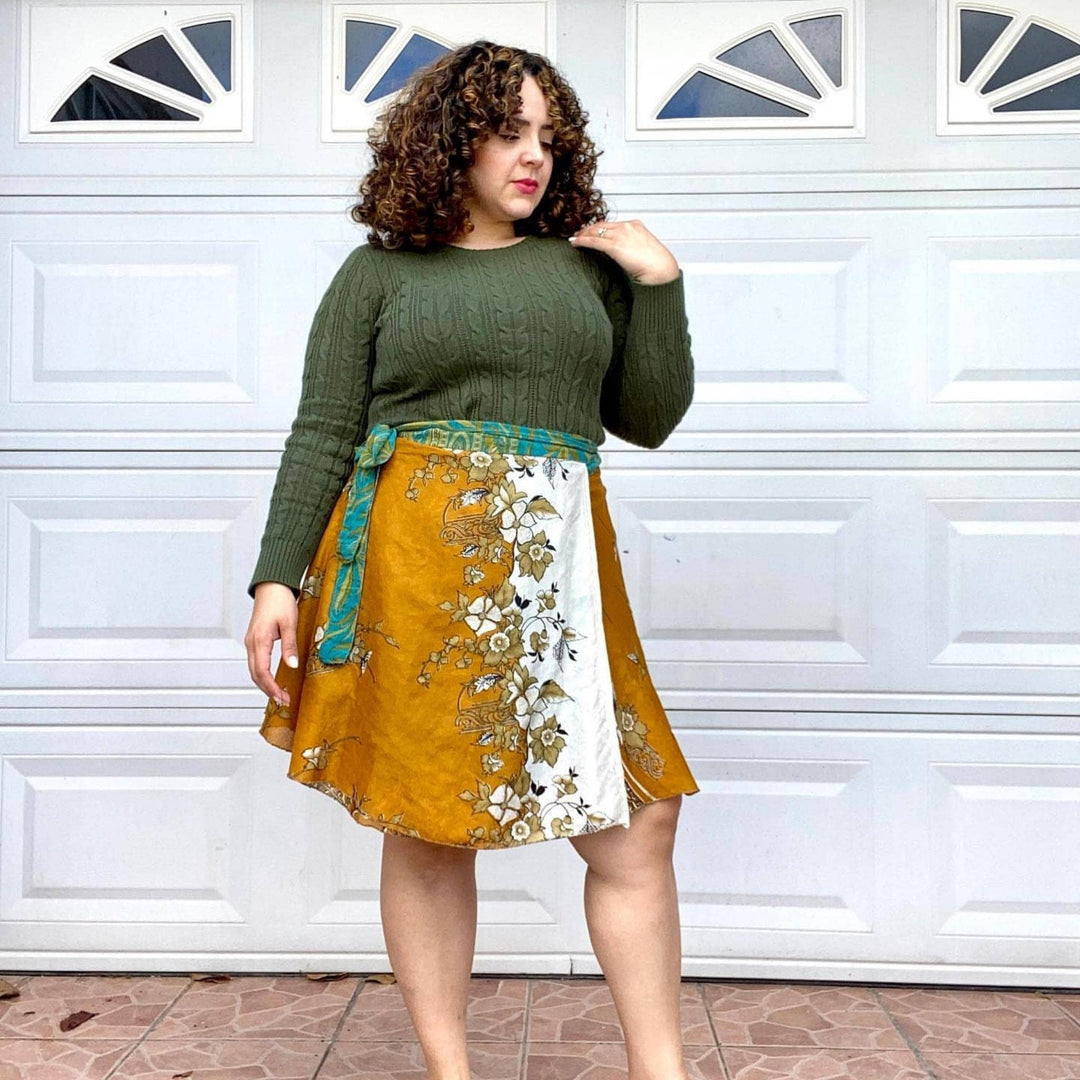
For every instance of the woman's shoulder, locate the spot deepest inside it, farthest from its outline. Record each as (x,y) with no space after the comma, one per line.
(364,267)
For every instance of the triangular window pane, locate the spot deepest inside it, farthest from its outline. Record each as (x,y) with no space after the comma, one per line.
(100,99)
(1037,50)
(978,31)
(363,40)
(156,59)
(705,95)
(764,55)
(1062,95)
(419,51)
(213,42)
(824,37)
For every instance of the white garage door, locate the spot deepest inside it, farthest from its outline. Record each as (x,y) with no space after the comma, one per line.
(855,565)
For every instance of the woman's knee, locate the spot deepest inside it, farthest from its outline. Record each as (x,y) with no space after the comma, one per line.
(649,841)
(425,855)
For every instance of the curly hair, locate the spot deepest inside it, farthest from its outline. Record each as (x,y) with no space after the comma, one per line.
(413,198)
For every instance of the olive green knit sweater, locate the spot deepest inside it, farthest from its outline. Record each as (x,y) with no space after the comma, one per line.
(539,333)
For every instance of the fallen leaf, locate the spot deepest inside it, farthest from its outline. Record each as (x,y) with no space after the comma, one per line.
(73,1020)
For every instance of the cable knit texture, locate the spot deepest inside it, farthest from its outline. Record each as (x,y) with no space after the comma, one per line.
(539,332)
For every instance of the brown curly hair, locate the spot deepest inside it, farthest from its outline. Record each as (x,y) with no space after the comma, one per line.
(413,198)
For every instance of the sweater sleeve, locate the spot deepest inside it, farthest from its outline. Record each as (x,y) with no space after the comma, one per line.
(330,420)
(649,384)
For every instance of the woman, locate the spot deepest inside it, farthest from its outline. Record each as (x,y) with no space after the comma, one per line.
(460,667)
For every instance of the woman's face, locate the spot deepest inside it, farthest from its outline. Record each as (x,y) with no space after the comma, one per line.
(495,199)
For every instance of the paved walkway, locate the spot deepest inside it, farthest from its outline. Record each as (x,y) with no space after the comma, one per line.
(265,1027)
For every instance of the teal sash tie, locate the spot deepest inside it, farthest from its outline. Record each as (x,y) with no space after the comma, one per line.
(340,632)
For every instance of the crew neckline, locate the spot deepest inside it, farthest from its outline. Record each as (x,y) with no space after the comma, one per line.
(482,251)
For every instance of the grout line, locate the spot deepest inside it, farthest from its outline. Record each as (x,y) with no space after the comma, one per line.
(523,1056)
(340,1024)
(1047,995)
(157,1020)
(910,1045)
(712,1028)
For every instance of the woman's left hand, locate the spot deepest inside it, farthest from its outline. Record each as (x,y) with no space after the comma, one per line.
(633,247)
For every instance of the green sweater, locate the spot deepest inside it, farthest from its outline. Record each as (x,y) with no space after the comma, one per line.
(539,333)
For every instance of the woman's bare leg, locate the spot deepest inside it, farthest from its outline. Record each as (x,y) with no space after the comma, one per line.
(632,911)
(427,897)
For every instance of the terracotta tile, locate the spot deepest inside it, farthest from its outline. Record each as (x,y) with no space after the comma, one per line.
(703,1062)
(696,1029)
(125,1005)
(260,1007)
(755,1014)
(580,1010)
(606,1061)
(575,1061)
(496,1011)
(1068,1003)
(754,1063)
(224,1059)
(392,1060)
(974,1066)
(60,1059)
(1004,1021)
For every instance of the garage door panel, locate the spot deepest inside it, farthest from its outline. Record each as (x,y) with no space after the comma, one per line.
(906,846)
(121,578)
(798,578)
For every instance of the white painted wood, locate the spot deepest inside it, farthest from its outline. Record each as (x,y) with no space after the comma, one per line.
(853,566)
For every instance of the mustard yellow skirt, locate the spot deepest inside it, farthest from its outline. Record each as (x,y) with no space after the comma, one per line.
(469,668)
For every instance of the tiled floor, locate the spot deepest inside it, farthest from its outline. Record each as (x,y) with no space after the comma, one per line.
(100,1027)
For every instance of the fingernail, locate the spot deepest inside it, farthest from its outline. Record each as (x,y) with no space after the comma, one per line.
(291,661)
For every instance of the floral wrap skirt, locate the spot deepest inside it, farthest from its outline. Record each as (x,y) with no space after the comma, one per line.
(469,669)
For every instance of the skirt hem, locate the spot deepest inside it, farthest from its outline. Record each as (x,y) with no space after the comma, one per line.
(490,644)
(400,828)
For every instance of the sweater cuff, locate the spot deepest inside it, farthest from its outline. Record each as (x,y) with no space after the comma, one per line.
(659,309)
(277,563)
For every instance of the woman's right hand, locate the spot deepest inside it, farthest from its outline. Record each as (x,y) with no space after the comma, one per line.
(273,617)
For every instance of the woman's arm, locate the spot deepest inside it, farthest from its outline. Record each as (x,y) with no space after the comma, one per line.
(330,420)
(649,385)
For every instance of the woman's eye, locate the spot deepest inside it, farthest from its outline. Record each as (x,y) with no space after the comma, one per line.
(510,137)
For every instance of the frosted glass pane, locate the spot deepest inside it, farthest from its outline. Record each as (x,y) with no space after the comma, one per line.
(213,42)
(99,99)
(363,40)
(1038,49)
(764,55)
(156,59)
(823,36)
(705,95)
(419,51)
(978,31)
